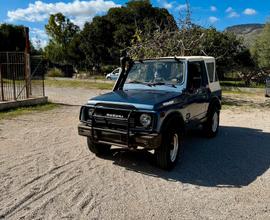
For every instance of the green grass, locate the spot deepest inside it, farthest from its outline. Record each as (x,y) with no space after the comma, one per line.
(238,91)
(55,72)
(235,92)
(241,84)
(100,77)
(26,110)
(78,84)
(81,75)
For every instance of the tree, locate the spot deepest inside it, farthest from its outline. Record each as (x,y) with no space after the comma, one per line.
(261,48)
(106,35)
(97,41)
(189,40)
(226,47)
(12,38)
(61,32)
(75,54)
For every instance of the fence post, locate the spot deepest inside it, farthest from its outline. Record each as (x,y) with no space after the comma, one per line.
(27,75)
(43,83)
(27,63)
(2,83)
(14,86)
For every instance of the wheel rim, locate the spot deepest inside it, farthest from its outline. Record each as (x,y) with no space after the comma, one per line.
(175,146)
(215,122)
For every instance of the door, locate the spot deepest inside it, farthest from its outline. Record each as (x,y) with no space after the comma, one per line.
(197,90)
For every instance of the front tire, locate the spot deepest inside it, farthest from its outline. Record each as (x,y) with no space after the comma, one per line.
(211,126)
(167,155)
(98,149)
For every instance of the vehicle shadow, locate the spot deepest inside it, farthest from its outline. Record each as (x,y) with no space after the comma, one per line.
(235,158)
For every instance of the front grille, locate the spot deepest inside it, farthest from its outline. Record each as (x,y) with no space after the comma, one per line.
(112,113)
(113,124)
(114,119)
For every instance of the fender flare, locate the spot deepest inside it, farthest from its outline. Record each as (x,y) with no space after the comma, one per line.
(174,117)
(215,101)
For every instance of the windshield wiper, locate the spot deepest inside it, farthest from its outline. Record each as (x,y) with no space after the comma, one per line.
(161,84)
(153,84)
(139,82)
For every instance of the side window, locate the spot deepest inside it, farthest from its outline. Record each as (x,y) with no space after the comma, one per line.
(116,71)
(211,71)
(197,76)
(216,76)
(204,74)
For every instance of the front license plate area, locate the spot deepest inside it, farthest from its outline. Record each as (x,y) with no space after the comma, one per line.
(112,137)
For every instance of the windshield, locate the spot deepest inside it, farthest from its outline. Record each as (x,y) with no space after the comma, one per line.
(157,73)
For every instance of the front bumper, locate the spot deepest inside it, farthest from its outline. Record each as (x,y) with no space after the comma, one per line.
(131,139)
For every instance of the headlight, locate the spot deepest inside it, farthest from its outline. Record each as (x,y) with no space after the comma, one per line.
(90,111)
(145,120)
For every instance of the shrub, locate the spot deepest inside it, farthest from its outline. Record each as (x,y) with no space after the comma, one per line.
(55,72)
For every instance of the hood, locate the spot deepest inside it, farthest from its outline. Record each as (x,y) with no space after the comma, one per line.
(141,99)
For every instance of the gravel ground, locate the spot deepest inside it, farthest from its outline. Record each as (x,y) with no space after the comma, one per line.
(47,172)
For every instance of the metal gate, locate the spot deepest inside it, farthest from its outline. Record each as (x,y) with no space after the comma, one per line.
(18,78)
(267,90)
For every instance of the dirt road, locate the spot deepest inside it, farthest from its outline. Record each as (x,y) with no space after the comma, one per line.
(47,172)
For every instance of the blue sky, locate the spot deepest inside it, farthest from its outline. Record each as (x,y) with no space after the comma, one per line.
(217,13)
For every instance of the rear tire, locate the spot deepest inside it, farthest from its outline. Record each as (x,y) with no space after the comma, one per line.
(167,155)
(211,126)
(98,149)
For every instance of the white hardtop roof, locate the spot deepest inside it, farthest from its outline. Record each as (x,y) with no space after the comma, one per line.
(191,57)
(188,58)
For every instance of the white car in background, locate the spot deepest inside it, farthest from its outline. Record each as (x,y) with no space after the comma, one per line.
(114,74)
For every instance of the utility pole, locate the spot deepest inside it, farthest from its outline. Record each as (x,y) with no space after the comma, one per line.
(188,14)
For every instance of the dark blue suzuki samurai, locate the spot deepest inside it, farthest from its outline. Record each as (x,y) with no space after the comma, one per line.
(152,103)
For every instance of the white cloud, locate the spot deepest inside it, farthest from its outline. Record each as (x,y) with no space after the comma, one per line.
(213,8)
(213,19)
(38,38)
(249,11)
(181,7)
(78,11)
(229,9)
(39,32)
(165,4)
(232,13)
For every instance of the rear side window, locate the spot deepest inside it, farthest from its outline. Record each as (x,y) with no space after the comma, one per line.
(116,71)
(211,71)
(216,76)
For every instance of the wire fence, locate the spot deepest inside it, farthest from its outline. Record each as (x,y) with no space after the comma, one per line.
(21,76)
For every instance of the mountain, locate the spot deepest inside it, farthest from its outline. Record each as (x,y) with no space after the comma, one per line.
(248,31)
